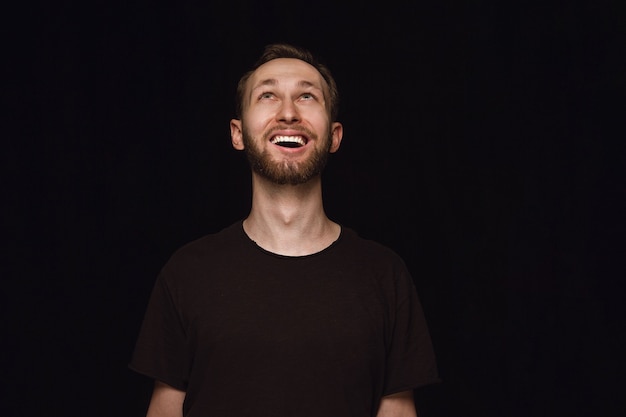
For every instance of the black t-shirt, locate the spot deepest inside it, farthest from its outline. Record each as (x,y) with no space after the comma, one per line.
(246,332)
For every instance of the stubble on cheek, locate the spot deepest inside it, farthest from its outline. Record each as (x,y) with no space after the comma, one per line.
(284,171)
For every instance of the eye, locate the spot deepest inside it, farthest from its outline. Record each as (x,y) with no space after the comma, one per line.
(308,96)
(266,95)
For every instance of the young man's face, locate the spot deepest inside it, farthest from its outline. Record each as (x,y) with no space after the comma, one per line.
(285,127)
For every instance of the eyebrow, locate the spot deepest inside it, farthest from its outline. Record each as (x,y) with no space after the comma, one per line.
(273,82)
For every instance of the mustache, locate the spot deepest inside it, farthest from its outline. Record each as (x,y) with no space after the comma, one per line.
(301,129)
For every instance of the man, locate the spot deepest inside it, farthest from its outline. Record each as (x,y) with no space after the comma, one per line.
(285,313)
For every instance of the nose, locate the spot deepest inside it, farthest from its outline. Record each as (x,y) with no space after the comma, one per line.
(288,112)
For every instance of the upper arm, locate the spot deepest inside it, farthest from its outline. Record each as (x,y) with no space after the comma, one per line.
(400,404)
(166,401)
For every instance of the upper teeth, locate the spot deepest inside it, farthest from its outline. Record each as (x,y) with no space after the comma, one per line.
(291,139)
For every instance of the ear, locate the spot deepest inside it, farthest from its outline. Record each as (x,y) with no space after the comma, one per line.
(236,134)
(336,136)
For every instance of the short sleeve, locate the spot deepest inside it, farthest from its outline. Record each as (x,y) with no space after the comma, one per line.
(161,348)
(411,360)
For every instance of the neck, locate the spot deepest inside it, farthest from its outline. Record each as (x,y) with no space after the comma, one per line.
(289,220)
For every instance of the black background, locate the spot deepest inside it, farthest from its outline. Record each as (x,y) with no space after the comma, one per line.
(483,142)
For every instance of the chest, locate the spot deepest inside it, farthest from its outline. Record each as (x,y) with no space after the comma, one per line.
(321,313)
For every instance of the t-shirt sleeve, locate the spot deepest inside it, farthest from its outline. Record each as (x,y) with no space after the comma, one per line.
(411,359)
(161,348)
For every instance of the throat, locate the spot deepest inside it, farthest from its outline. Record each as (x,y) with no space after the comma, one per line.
(292,240)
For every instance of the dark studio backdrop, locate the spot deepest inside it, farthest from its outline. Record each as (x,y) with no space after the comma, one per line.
(483,142)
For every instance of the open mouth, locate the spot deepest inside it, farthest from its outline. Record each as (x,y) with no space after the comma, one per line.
(289,141)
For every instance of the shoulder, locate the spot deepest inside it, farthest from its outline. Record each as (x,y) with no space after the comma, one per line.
(374,263)
(370,254)
(353,241)
(208,249)
(229,235)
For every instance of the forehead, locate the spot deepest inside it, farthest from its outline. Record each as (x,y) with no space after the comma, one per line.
(286,70)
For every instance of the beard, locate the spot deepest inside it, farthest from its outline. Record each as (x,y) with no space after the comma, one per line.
(286,171)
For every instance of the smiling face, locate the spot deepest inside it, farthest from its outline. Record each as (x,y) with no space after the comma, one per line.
(285,127)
